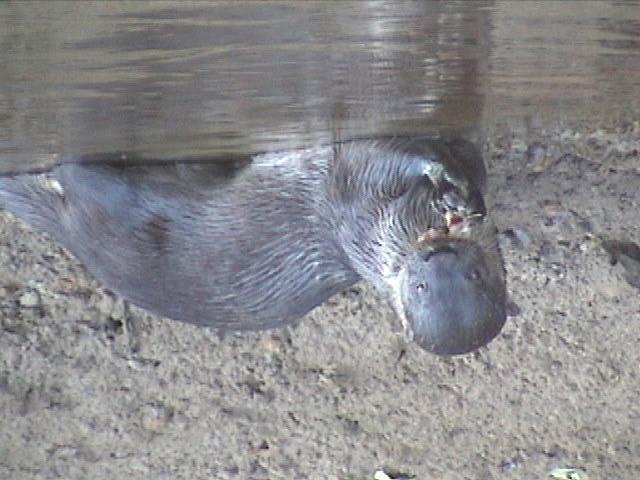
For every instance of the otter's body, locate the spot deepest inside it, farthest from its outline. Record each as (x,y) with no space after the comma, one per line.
(264,245)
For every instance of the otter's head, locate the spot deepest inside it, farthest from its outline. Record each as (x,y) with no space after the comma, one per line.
(451,291)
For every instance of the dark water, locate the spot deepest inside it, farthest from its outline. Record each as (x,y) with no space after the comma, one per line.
(173,80)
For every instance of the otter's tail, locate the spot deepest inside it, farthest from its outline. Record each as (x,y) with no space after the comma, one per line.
(37,199)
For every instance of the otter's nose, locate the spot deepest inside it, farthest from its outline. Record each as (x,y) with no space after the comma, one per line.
(451,303)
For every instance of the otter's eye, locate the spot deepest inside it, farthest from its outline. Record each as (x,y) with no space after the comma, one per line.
(421,287)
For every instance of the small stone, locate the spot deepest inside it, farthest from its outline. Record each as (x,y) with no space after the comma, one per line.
(272,344)
(263,450)
(387,474)
(105,305)
(536,152)
(29,300)
(510,464)
(518,237)
(628,255)
(546,249)
(513,309)
(538,159)
(154,419)
(138,466)
(518,145)
(552,208)
(112,306)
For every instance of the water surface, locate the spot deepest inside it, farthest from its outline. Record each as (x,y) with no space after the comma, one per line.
(186,79)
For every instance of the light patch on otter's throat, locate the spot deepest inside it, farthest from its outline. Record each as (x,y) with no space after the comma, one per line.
(434,171)
(395,283)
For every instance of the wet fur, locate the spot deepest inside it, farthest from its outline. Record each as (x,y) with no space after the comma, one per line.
(256,247)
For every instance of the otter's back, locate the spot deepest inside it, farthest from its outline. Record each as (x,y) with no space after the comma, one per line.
(241,254)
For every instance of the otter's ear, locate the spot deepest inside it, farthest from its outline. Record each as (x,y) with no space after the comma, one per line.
(468,160)
(466,203)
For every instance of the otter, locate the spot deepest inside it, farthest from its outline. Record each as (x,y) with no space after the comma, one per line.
(258,244)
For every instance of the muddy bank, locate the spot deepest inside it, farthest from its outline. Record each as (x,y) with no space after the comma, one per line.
(89,392)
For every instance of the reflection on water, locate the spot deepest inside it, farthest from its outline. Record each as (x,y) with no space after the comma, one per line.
(175,80)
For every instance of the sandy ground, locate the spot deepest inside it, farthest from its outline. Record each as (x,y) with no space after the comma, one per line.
(87,395)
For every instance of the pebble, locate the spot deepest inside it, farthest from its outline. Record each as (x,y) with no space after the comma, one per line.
(518,145)
(105,305)
(513,309)
(272,344)
(536,152)
(29,300)
(518,236)
(111,306)
(154,419)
